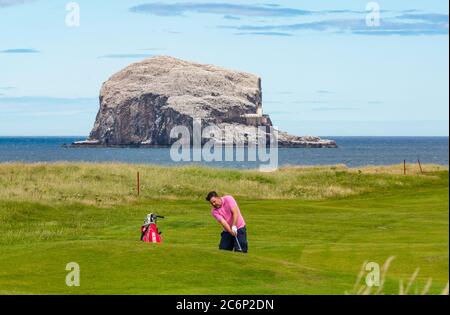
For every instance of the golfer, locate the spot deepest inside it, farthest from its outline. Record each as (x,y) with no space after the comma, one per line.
(226,211)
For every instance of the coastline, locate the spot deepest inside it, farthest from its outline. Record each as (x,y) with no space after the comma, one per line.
(352,151)
(412,168)
(150,146)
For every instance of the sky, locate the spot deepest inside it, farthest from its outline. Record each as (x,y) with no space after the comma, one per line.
(328,68)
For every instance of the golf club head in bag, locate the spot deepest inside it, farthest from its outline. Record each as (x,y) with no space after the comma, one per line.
(149,231)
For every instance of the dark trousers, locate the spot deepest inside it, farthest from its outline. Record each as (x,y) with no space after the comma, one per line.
(228,241)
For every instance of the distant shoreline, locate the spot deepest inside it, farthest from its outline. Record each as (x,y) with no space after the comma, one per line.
(412,168)
(159,146)
(351,151)
(322,136)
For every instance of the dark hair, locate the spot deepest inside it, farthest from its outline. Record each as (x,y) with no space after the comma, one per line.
(211,195)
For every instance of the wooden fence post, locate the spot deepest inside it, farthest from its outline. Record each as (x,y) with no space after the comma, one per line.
(420,166)
(138,184)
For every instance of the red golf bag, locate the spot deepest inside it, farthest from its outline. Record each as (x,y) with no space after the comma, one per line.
(149,231)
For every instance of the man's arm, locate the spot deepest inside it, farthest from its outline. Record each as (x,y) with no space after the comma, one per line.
(229,228)
(226,226)
(235,215)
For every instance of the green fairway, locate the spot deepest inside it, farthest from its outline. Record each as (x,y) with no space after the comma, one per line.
(310,229)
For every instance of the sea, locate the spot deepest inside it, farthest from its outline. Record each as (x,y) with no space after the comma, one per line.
(351,151)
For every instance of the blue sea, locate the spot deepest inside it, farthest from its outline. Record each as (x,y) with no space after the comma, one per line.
(352,151)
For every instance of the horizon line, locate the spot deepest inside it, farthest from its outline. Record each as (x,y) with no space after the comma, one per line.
(326,136)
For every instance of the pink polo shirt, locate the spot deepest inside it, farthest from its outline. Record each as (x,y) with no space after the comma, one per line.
(225,212)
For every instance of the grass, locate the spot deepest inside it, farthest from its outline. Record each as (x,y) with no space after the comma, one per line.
(310,229)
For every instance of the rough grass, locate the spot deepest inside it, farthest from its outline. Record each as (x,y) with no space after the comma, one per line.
(310,229)
(110,184)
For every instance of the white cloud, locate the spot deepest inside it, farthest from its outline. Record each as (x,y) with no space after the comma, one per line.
(8,3)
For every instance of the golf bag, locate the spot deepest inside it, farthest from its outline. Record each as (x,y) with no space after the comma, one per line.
(149,231)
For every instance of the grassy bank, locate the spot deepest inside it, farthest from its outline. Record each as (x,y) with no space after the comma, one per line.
(310,229)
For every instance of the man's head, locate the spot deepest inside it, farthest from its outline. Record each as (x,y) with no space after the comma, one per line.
(214,199)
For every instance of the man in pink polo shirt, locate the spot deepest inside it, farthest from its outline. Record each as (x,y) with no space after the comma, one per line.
(226,211)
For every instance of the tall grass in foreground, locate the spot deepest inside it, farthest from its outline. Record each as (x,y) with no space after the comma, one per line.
(109,184)
(364,289)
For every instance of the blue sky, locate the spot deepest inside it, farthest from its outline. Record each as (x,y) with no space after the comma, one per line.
(324,71)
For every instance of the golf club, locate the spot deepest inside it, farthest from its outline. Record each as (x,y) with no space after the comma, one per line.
(237,241)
